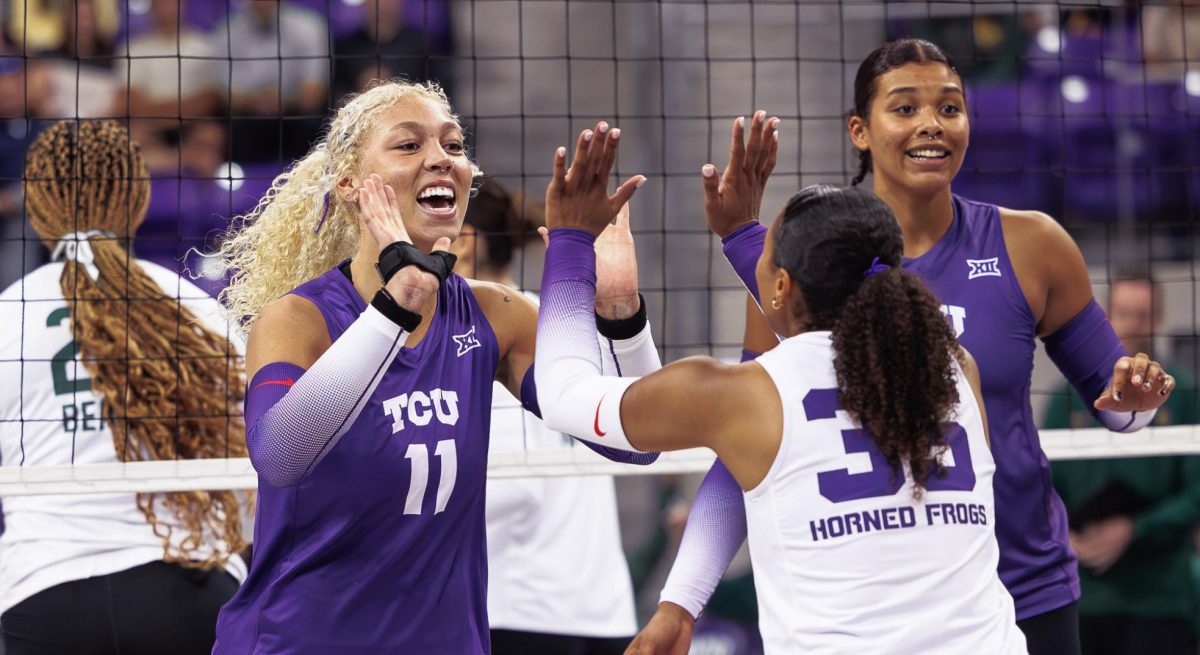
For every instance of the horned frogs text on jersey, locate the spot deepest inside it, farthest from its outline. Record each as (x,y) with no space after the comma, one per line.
(845,559)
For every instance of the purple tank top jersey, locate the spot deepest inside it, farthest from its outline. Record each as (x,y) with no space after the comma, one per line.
(380,549)
(970,272)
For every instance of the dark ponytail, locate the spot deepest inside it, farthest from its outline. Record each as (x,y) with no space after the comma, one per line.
(894,367)
(886,57)
(864,167)
(894,350)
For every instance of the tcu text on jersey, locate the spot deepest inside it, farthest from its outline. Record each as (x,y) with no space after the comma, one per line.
(420,408)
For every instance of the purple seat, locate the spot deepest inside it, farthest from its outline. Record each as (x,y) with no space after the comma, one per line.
(1006,162)
(187,215)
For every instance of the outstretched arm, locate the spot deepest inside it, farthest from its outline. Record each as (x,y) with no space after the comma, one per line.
(1123,392)
(683,405)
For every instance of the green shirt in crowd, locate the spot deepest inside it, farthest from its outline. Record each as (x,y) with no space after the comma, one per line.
(1161,495)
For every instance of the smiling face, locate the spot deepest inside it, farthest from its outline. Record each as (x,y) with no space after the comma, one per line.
(917,129)
(417,148)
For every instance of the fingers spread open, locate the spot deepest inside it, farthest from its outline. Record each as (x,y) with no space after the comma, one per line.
(754,147)
(559,176)
(625,192)
(608,156)
(737,148)
(578,164)
(770,149)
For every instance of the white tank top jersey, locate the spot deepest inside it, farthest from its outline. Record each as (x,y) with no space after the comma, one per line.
(845,559)
(555,562)
(49,416)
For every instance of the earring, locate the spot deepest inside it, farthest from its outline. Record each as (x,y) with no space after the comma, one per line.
(775,304)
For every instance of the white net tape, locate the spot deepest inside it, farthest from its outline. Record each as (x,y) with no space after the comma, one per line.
(239,474)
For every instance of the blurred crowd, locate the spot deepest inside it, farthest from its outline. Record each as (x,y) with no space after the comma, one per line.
(1087,113)
(221,95)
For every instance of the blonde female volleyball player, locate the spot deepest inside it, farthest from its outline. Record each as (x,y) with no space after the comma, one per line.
(894,551)
(107,358)
(370,397)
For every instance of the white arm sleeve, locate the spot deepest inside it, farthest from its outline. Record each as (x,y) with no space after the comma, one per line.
(299,429)
(631,357)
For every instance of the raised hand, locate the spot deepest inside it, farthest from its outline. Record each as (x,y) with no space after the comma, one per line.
(381,213)
(578,197)
(616,269)
(411,286)
(1138,384)
(669,632)
(735,197)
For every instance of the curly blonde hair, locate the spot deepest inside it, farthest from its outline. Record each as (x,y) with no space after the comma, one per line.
(301,227)
(172,388)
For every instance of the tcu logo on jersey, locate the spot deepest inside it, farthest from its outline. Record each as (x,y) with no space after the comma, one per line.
(957,316)
(420,408)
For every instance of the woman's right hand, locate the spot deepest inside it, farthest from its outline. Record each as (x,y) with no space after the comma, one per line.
(411,286)
(669,632)
(735,197)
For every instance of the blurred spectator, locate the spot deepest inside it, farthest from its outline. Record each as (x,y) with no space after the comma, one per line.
(1132,519)
(25,101)
(44,25)
(189,206)
(1171,39)
(165,74)
(387,46)
(278,67)
(81,66)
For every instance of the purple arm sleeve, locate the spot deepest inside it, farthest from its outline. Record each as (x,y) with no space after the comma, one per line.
(1085,350)
(715,530)
(742,248)
(295,417)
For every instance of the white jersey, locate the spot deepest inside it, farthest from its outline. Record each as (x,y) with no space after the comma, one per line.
(49,416)
(555,562)
(845,559)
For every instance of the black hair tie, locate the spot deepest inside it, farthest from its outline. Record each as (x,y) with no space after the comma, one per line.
(402,253)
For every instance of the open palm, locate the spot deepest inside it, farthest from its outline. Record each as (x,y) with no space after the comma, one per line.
(616,269)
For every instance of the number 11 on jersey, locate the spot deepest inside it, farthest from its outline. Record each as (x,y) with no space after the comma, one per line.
(418,454)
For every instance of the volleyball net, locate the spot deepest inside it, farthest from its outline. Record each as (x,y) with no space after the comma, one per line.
(1089,112)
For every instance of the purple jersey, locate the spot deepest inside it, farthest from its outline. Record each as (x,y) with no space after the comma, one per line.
(380,549)
(969,271)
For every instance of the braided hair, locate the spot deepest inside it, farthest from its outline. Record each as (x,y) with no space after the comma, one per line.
(172,388)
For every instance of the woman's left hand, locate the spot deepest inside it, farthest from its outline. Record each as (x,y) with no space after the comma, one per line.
(616,269)
(578,197)
(1139,384)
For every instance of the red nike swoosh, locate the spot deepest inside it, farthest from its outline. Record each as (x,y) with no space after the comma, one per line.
(596,423)
(287,383)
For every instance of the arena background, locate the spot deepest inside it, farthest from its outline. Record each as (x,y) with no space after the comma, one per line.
(1085,110)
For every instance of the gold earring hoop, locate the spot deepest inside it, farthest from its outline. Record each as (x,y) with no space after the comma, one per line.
(775,304)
